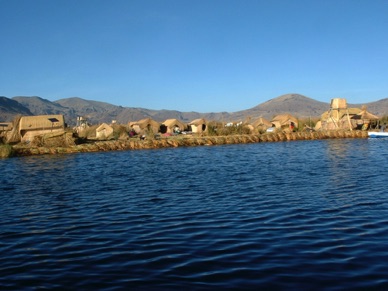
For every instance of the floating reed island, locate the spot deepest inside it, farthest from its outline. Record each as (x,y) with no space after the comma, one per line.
(61,144)
(48,134)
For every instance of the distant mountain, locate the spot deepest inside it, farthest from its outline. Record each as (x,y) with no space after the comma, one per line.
(295,104)
(303,107)
(9,109)
(40,106)
(95,111)
(98,112)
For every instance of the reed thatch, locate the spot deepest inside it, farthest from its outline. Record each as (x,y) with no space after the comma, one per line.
(135,144)
(31,126)
(198,125)
(339,118)
(41,122)
(364,120)
(171,125)
(261,123)
(365,115)
(284,121)
(338,114)
(144,125)
(104,131)
(338,103)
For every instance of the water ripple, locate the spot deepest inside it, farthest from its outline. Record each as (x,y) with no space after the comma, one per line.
(298,215)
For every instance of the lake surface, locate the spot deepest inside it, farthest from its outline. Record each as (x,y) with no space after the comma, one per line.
(287,216)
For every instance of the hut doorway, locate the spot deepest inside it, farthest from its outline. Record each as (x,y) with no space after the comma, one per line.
(163,128)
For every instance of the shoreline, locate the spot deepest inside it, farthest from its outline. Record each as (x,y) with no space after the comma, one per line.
(184,141)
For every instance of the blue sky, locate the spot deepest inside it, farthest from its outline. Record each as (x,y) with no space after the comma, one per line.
(205,56)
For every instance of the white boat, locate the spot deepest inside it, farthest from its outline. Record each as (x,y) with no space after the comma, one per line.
(377,134)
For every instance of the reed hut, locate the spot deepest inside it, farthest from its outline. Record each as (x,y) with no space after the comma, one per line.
(198,125)
(261,124)
(104,131)
(31,126)
(285,122)
(172,126)
(364,120)
(146,125)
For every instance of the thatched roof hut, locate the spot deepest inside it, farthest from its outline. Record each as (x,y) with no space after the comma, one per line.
(364,119)
(104,131)
(284,121)
(261,123)
(41,122)
(365,115)
(31,126)
(144,125)
(171,126)
(198,125)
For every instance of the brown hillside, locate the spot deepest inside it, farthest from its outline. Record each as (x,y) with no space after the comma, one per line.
(9,109)
(296,104)
(98,112)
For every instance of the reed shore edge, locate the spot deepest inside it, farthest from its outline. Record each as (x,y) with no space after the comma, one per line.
(184,141)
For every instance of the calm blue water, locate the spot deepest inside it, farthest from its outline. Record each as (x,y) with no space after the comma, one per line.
(288,216)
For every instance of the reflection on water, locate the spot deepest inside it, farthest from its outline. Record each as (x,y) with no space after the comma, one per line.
(292,215)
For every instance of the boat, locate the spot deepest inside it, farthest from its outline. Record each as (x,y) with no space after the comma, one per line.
(378,134)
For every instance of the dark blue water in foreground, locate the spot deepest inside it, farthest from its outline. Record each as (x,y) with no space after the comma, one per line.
(290,216)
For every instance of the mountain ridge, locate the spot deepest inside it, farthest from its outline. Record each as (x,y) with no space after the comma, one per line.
(98,112)
(10,108)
